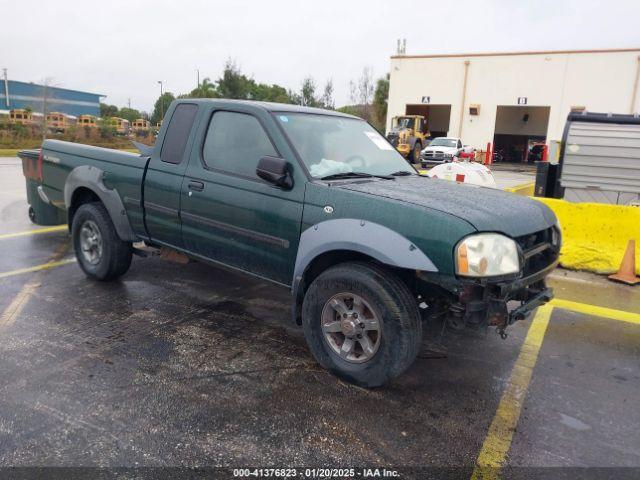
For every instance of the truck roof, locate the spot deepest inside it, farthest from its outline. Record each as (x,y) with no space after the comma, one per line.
(269,106)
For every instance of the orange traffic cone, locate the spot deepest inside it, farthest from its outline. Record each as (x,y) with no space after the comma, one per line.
(627,272)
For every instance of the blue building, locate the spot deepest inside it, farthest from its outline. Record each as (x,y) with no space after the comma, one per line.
(14,94)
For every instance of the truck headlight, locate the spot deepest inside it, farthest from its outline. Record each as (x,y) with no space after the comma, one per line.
(487,255)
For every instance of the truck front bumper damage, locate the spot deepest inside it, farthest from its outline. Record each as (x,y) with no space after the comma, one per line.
(499,303)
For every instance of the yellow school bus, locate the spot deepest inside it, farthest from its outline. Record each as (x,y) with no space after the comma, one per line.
(140,125)
(21,116)
(56,121)
(120,124)
(87,121)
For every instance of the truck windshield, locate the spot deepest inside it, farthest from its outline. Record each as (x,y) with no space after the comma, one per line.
(330,145)
(443,142)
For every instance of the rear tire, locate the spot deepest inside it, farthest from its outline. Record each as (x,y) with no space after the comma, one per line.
(100,252)
(374,298)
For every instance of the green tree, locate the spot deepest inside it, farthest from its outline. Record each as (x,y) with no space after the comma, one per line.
(206,89)
(161,106)
(350,110)
(361,94)
(270,93)
(380,102)
(233,83)
(130,114)
(326,101)
(108,110)
(308,93)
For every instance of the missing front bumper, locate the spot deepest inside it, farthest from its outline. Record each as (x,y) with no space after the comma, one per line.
(524,310)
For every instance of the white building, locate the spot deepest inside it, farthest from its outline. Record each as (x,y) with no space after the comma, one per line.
(512,99)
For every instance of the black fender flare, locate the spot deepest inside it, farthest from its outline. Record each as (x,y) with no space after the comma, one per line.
(374,240)
(91,177)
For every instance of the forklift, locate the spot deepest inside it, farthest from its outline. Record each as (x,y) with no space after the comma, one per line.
(409,135)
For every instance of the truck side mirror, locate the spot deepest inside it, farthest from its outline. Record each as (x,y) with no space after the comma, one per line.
(275,170)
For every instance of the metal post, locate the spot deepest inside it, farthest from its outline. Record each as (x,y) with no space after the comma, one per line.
(6,87)
(44,110)
(635,88)
(161,102)
(464,96)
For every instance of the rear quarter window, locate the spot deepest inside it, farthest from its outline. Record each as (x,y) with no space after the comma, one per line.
(178,131)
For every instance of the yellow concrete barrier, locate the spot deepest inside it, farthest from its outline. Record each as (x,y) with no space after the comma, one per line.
(595,235)
(522,189)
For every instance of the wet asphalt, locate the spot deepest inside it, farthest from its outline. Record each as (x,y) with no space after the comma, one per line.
(191,365)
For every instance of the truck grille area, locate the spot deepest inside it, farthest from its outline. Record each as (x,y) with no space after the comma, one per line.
(539,250)
(436,154)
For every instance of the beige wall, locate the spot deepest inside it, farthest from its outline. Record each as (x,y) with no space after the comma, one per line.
(602,82)
(509,120)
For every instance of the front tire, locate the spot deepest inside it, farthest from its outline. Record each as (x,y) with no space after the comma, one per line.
(415,154)
(361,323)
(100,252)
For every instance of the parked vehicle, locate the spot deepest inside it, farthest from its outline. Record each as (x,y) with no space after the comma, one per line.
(319,203)
(140,125)
(56,122)
(408,134)
(120,125)
(20,116)
(440,150)
(87,121)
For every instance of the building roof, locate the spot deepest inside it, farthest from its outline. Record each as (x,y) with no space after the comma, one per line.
(532,52)
(33,84)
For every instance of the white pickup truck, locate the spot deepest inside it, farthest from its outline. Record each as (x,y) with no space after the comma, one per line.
(440,150)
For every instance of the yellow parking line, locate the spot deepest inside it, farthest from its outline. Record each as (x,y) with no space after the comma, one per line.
(14,309)
(597,311)
(57,228)
(36,268)
(18,303)
(494,450)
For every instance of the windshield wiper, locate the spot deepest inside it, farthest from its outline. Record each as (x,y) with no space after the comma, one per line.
(401,173)
(338,176)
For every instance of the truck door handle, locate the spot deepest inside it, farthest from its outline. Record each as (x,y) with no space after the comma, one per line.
(195,185)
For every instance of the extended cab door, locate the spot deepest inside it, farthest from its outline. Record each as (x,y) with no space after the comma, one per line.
(231,216)
(164,176)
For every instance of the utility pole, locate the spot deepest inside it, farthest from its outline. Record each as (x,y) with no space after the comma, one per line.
(161,102)
(129,103)
(198,74)
(6,87)
(45,94)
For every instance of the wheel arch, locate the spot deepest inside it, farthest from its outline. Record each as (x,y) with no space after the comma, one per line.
(342,240)
(84,184)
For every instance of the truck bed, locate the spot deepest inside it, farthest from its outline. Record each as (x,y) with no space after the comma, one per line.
(122,172)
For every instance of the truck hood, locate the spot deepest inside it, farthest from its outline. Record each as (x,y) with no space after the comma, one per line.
(486,209)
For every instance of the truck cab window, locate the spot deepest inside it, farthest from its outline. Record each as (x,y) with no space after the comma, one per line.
(235,142)
(177,134)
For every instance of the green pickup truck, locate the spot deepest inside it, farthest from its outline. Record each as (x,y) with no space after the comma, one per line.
(320,203)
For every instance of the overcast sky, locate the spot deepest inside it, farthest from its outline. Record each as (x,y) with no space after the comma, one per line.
(121,48)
